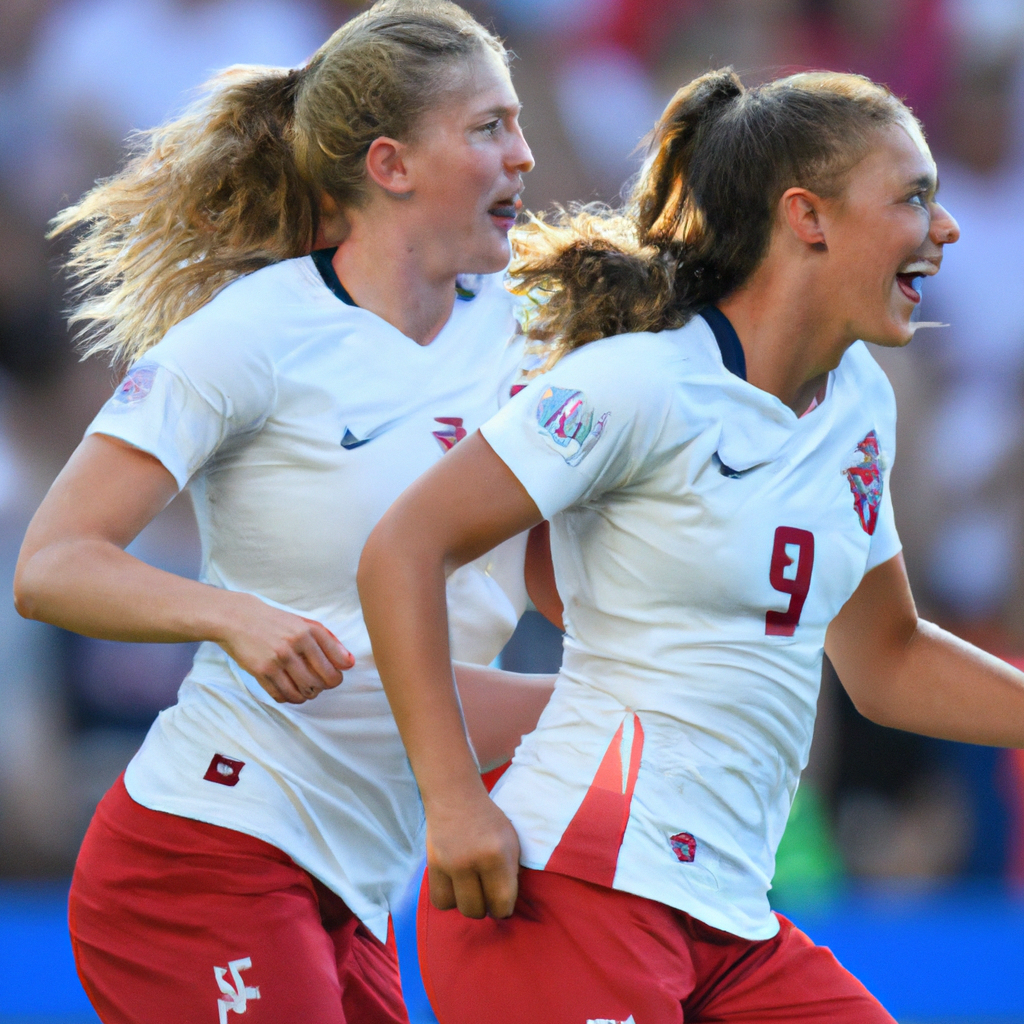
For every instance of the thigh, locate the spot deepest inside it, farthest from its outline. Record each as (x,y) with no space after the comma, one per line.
(787,978)
(371,984)
(174,921)
(572,952)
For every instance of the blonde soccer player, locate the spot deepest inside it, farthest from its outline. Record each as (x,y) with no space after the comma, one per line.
(247,861)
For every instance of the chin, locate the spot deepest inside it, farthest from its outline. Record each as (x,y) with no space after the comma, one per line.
(492,260)
(892,335)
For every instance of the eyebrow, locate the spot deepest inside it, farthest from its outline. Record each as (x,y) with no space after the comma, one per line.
(928,182)
(503,112)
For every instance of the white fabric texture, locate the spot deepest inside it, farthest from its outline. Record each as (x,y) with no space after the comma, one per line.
(248,403)
(666,478)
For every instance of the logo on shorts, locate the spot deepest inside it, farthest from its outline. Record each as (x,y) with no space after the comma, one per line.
(451,433)
(566,418)
(684,846)
(224,770)
(136,385)
(865,478)
(610,1020)
(237,997)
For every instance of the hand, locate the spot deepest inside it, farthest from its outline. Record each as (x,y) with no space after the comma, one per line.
(472,858)
(293,658)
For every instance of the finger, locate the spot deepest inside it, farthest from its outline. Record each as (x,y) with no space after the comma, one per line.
(500,889)
(278,684)
(442,892)
(305,682)
(318,664)
(337,654)
(469,895)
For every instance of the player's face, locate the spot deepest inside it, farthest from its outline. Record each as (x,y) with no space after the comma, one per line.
(886,233)
(467,163)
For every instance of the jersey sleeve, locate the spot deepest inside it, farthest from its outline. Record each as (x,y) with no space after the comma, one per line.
(589,425)
(885,541)
(187,396)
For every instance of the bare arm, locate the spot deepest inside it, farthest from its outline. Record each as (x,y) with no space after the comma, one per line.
(906,673)
(73,571)
(500,708)
(540,575)
(462,507)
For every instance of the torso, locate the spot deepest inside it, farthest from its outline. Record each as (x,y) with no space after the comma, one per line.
(697,592)
(297,420)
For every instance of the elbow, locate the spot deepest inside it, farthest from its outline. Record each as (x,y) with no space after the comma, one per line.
(874,699)
(26,593)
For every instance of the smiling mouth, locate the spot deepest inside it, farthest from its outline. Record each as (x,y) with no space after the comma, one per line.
(906,277)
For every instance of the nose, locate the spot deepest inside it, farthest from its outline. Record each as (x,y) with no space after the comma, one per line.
(944,229)
(519,157)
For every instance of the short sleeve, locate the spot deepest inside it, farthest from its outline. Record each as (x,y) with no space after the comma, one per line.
(591,424)
(885,541)
(186,397)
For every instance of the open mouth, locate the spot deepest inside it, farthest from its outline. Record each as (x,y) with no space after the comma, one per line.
(504,211)
(910,274)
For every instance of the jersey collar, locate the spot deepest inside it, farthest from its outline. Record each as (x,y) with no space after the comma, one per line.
(728,340)
(322,260)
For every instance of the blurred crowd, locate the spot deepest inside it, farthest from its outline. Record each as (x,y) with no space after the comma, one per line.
(77,76)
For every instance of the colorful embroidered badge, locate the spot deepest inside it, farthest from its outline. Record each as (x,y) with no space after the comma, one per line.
(567,419)
(451,433)
(684,846)
(137,384)
(865,479)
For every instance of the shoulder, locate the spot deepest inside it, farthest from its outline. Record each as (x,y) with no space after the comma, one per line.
(254,322)
(644,359)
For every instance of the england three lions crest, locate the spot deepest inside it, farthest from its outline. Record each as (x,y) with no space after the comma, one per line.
(567,419)
(865,479)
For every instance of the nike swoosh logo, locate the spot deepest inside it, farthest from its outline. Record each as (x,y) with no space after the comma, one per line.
(732,474)
(350,441)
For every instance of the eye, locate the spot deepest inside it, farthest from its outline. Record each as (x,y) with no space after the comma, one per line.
(491,128)
(919,199)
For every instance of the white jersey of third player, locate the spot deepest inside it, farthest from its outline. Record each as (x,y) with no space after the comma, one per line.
(295,418)
(703,538)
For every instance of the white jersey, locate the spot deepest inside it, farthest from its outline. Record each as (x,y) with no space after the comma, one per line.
(703,539)
(295,419)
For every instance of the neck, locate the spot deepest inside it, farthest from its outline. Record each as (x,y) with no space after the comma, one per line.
(789,340)
(387,273)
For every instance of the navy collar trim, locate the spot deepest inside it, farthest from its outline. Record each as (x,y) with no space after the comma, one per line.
(322,260)
(728,340)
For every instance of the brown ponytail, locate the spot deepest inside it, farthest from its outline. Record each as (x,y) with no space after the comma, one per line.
(234,184)
(700,217)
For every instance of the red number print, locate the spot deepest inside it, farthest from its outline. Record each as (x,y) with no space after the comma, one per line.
(785,623)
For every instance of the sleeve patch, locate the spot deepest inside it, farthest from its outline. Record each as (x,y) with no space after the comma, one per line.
(567,421)
(137,384)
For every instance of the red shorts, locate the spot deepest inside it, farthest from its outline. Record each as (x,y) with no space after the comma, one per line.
(174,921)
(577,953)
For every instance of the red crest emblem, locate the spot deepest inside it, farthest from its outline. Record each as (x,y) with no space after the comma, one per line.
(684,846)
(451,433)
(865,479)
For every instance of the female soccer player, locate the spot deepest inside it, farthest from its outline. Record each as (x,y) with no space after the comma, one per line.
(247,861)
(716,479)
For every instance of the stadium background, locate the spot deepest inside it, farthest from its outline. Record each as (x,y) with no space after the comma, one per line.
(906,855)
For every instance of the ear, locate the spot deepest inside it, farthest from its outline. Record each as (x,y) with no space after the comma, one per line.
(386,167)
(801,213)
